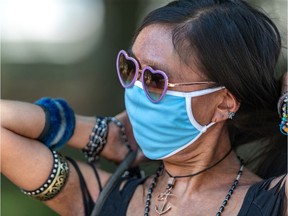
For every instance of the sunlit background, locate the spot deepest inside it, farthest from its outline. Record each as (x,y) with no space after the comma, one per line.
(67,48)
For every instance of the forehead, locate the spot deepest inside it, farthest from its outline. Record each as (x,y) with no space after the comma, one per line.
(154,40)
(153,46)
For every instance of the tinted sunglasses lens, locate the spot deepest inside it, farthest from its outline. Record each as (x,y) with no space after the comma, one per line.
(126,70)
(154,84)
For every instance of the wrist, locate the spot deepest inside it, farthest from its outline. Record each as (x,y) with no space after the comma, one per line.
(97,140)
(117,146)
(107,139)
(83,127)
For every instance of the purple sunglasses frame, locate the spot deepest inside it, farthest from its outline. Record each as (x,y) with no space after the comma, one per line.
(137,69)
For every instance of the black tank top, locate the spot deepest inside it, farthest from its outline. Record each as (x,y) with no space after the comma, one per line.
(259,200)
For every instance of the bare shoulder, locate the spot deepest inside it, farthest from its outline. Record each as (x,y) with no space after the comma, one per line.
(249,178)
(279,181)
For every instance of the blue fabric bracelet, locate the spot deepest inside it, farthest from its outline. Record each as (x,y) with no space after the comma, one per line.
(70,123)
(60,122)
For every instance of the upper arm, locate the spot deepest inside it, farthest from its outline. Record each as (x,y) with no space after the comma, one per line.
(70,201)
(28,163)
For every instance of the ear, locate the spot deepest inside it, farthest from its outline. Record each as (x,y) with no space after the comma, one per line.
(227,103)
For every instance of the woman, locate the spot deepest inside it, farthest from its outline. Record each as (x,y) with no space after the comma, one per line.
(199,81)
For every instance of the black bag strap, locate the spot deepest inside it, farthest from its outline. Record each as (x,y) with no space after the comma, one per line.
(123,166)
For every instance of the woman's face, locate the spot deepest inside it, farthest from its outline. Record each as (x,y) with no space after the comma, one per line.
(163,129)
(153,47)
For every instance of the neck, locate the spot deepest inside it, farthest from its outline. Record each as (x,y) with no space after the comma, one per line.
(200,156)
(187,188)
(203,170)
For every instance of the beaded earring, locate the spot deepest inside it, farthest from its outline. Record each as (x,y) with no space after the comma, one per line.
(283,113)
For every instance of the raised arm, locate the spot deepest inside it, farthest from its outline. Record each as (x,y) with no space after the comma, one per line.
(28,163)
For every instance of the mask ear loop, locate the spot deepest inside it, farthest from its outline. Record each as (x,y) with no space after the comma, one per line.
(205,127)
(189,109)
(201,128)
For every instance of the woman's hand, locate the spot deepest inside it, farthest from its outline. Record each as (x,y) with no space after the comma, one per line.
(115,149)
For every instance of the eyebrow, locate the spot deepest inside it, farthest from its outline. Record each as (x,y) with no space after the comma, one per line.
(153,65)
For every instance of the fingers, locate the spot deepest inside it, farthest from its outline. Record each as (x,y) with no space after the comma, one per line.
(140,158)
(123,117)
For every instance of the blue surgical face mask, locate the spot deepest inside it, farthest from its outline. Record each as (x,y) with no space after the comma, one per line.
(165,128)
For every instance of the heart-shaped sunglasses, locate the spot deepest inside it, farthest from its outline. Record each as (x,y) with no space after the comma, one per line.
(155,82)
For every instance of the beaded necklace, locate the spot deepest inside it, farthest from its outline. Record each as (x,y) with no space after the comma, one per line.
(171,182)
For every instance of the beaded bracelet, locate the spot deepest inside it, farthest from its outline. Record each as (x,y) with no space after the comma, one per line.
(55,182)
(98,138)
(122,131)
(59,124)
(283,113)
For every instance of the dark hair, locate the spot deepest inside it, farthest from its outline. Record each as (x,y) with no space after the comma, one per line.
(236,46)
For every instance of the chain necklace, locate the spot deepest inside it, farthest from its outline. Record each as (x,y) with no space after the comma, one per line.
(171,182)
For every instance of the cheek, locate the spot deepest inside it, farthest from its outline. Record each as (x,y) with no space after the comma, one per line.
(203,109)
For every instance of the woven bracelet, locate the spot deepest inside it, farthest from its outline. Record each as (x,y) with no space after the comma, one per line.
(122,131)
